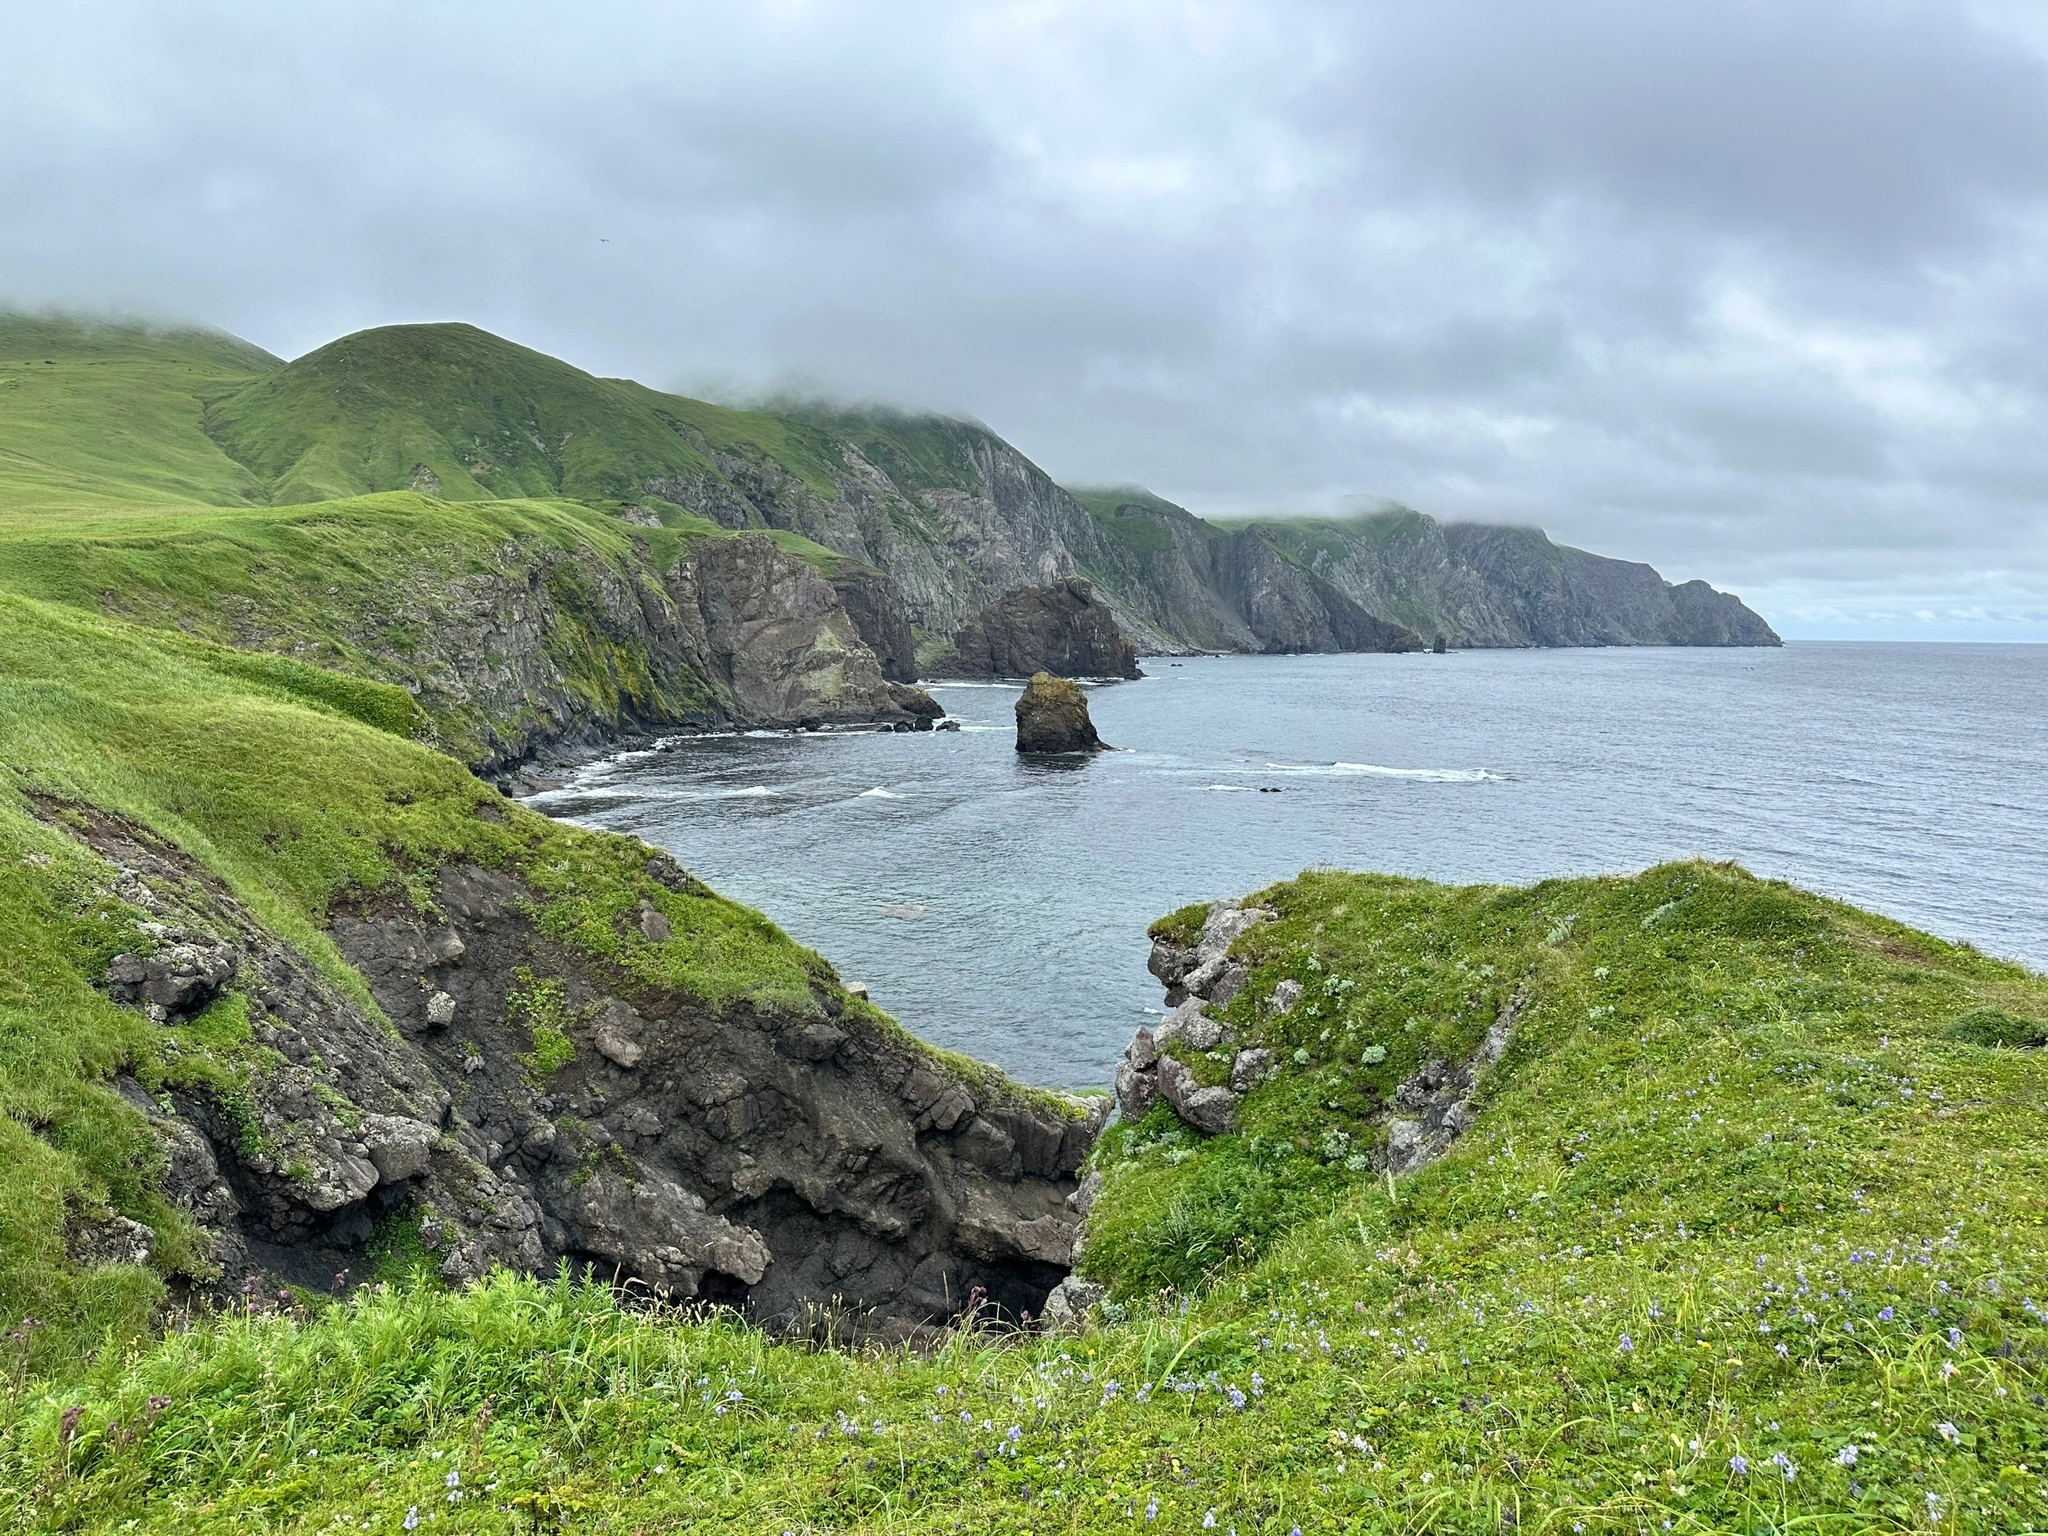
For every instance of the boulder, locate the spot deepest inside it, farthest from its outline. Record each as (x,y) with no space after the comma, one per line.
(1249,1069)
(1212,1111)
(1061,628)
(1052,717)
(398,1148)
(1067,1306)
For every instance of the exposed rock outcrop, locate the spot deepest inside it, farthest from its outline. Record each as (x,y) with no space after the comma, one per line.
(551,647)
(1429,1110)
(1052,717)
(534,1108)
(1061,628)
(874,603)
(1196,978)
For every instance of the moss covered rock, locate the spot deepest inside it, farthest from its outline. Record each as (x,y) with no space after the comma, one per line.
(1052,716)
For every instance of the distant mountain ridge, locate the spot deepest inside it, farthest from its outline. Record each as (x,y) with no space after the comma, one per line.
(918,521)
(1495,585)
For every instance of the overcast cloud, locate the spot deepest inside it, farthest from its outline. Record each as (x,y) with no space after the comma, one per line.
(1757,292)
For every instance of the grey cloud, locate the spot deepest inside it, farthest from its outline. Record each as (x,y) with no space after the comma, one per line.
(1750,291)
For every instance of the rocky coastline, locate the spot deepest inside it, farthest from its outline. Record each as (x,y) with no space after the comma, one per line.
(526,1107)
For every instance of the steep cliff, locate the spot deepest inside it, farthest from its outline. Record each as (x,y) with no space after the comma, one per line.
(1483,585)
(305,1002)
(1061,628)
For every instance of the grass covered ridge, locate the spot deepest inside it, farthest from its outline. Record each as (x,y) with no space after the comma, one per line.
(1744,1240)
(296,788)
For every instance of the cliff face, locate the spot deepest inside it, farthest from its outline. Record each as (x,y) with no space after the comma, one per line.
(944,512)
(565,627)
(1061,629)
(1289,610)
(1483,585)
(534,1106)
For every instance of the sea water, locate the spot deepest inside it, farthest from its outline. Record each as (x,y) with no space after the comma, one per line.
(998,905)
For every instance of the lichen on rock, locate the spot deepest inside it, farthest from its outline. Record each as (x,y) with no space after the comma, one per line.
(1052,718)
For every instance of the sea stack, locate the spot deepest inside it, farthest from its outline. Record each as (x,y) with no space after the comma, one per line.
(1052,716)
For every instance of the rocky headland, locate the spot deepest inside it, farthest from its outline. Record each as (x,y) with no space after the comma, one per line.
(1062,628)
(534,1107)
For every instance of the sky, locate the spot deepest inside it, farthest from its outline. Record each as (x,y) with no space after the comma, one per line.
(1756,292)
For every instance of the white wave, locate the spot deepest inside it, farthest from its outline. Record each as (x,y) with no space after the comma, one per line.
(1376,771)
(880,794)
(931,686)
(987,728)
(575,794)
(1235,789)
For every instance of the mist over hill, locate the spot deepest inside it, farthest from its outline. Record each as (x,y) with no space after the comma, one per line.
(948,511)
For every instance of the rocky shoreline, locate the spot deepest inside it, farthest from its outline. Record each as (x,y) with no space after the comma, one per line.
(528,1106)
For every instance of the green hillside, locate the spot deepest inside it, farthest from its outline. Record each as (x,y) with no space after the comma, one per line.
(95,414)
(486,419)
(1137,519)
(1747,1237)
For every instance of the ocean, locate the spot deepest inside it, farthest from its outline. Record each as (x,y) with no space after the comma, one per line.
(998,906)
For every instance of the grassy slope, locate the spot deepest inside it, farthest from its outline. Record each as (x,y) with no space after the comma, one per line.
(195,742)
(1137,518)
(1737,1194)
(94,414)
(489,418)
(114,497)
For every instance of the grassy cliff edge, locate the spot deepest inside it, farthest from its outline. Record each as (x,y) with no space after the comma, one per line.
(1746,1236)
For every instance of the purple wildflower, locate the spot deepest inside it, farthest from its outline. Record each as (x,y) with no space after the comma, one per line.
(1739,1465)
(1885,1316)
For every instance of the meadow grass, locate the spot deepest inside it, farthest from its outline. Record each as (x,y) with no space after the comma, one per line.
(1741,1241)
(99,415)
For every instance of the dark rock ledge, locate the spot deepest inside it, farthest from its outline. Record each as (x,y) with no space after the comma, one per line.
(789,1162)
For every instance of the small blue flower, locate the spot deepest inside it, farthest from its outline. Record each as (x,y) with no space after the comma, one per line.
(1885,1316)
(1628,1345)
(412,1518)
(1739,1465)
